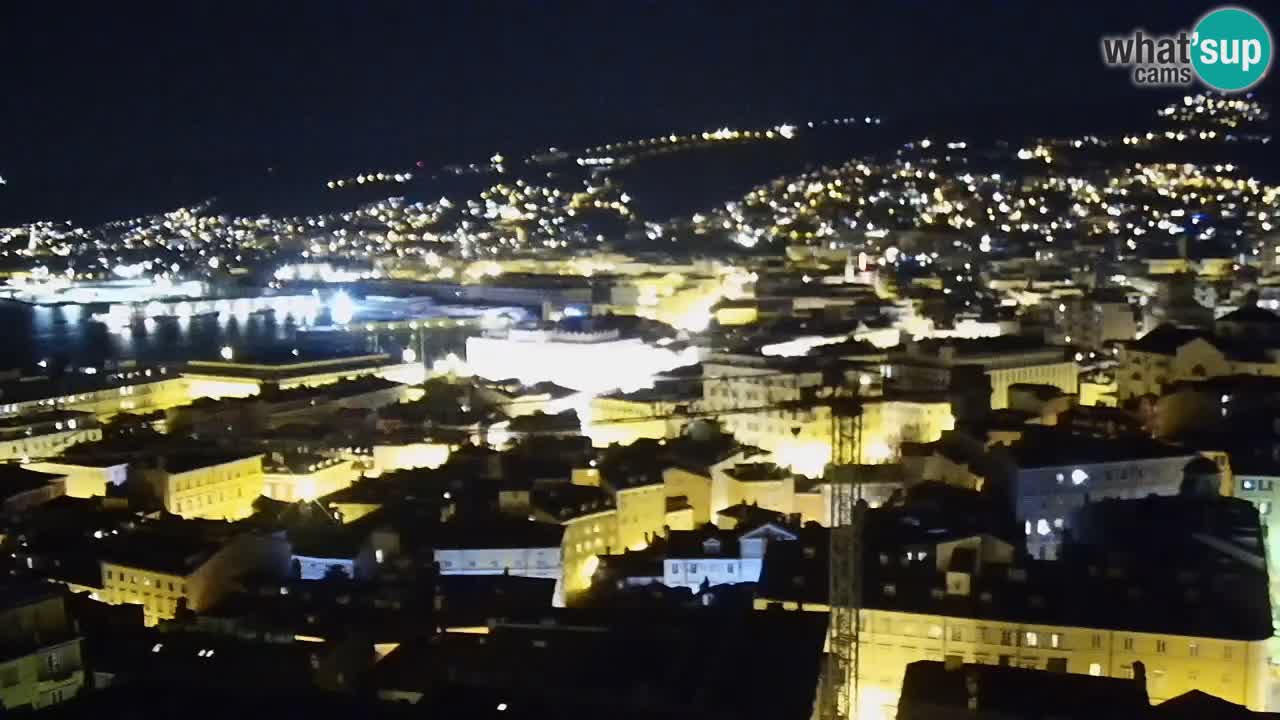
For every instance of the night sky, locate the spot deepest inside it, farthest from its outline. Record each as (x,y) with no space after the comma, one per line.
(115,108)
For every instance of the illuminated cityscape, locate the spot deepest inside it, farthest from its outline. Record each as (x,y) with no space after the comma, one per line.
(494,361)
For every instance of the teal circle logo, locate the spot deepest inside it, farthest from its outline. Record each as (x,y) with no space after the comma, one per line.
(1231,49)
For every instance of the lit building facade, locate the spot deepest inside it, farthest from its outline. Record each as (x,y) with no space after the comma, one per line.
(86,478)
(1006,361)
(1047,485)
(229,379)
(300,479)
(45,667)
(718,557)
(641,513)
(164,573)
(1169,354)
(42,435)
(208,488)
(137,390)
(967,600)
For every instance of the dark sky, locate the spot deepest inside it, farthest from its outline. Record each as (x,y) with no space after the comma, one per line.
(112,107)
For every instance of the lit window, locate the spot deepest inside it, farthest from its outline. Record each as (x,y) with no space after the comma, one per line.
(1095,669)
(1055,640)
(1033,639)
(1248,484)
(1042,527)
(1057,523)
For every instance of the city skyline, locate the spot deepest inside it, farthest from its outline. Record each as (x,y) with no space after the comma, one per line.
(119,109)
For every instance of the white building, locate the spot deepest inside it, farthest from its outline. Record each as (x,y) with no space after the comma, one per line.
(1049,475)
(496,547)
(718,557)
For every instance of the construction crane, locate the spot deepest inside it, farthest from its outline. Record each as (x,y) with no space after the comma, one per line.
(839,694)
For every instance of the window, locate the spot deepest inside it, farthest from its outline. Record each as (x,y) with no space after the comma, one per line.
(1055,640)
(1006,637)
(1226,652)
(1033,639)
(1096,641)
(1194,650)
(935,631)
(1162,646)
(957,634)
(1095,669)
(1128,643)
(1058,664)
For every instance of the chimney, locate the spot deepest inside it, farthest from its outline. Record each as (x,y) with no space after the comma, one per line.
(1140,679)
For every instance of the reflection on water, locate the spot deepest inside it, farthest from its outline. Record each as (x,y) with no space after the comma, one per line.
(67,334)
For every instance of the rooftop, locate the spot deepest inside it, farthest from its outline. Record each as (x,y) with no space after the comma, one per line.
(175,463)
(1046,447)
(758,472)
(168,553)
(497,532)
(930,685)
(274,367)
(44,387)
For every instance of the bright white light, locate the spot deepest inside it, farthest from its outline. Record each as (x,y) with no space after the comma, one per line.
(341,307)
(214,263)
(226,352)
(1078,476)
(590,363)
(1042,527)
(797,347)
(502,707)
(409,355)
(787,131)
